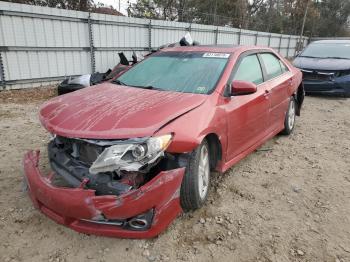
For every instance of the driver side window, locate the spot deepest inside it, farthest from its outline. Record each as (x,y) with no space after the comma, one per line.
(249,70)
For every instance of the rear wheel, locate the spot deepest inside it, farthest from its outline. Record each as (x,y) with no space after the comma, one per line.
(289,120)
(196,182)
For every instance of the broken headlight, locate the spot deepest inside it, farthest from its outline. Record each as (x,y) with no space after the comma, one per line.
(130,157)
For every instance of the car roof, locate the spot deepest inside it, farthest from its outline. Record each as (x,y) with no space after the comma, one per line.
(335,41)
(213,48)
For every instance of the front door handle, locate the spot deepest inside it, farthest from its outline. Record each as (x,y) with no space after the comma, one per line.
(267,92)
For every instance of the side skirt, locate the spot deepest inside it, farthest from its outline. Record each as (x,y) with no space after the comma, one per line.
(239,157)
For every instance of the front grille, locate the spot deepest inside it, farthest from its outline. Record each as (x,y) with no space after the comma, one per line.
(317,75)
(79,149)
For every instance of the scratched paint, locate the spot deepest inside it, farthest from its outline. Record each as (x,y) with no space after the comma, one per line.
(112,111)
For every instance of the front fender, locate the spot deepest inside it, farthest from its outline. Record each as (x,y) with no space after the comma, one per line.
(190,129)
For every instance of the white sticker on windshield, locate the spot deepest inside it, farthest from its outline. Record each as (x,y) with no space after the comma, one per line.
(216,55)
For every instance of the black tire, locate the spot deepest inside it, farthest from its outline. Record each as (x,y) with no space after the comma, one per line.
(288,124)
(190,197)
(64,87)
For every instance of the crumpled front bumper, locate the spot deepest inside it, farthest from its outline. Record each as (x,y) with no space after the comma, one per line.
(73,206)
(328,87)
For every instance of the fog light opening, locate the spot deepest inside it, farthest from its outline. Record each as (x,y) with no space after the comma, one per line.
(142,221)
(138,223)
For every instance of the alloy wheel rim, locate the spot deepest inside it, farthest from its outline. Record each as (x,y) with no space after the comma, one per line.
(203,172)
(291,115)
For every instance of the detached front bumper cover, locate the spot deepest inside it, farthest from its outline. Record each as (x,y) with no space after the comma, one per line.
(76,207)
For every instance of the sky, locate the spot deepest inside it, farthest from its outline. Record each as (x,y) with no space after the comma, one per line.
(115,4)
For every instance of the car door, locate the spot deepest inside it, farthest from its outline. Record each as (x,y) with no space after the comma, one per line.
(247,115)
(278,80)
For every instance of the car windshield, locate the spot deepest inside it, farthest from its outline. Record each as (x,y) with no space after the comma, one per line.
(187,72)
(327,50)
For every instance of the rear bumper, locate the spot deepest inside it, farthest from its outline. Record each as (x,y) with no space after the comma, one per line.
(327,87)
(73,206)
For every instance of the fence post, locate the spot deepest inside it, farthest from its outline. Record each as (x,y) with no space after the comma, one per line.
(279,45)
(269,43)
(300,45)
(296,47)
(288,45)
(239,36)
(189,28)
(256,38)
(216,31)
(150,35)
(2,74)
(91,43)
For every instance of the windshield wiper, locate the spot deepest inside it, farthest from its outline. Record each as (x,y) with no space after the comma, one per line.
(327,57)
(307,56)
(118,82)
(335,57)
(149,87)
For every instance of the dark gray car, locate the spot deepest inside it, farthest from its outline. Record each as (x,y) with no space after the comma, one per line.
(326,67)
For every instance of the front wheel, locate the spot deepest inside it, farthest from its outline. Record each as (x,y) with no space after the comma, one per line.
(289,120)
(196,182)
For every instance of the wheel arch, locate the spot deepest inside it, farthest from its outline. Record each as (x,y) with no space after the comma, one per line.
(299,98)
(215,149)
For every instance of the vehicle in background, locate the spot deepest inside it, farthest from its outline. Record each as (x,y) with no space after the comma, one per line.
(78,82)
(129,155)
(326,67)
(75,83)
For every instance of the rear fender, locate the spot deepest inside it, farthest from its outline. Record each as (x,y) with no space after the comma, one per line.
(299,97)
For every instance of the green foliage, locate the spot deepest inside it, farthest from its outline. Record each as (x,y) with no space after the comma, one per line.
(333,16)
(325,17)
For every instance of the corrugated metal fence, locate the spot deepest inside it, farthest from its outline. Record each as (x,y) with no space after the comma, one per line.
(41,45)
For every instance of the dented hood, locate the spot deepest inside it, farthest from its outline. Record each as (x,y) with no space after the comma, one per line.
(109,111)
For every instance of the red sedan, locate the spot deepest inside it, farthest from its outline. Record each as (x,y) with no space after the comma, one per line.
(128,156)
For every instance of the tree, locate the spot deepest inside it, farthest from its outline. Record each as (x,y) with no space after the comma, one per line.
(325,17)
(333,16)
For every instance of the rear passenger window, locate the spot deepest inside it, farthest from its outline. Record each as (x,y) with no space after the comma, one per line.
(249,70)
(284,67)
(272,65)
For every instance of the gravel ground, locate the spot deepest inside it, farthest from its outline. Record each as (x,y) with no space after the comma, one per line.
(288,201)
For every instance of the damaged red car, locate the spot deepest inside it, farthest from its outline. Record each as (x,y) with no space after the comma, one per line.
(128,156)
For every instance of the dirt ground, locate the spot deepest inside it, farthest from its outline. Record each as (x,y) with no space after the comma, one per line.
(288,201)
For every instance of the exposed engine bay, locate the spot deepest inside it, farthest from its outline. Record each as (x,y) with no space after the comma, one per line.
(109,167)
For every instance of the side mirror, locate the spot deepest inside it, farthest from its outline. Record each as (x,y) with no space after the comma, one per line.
(239,88)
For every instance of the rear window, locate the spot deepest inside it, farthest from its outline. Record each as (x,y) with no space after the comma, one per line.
(249,70)
(327,50)
(272,65)
(284,67)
